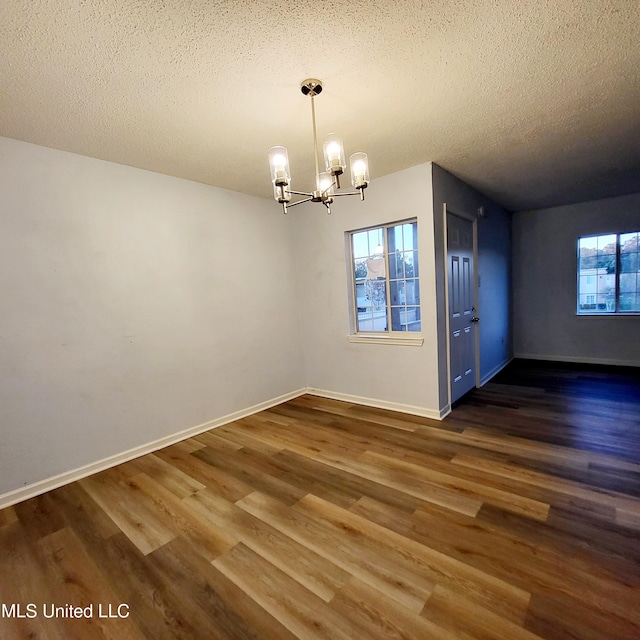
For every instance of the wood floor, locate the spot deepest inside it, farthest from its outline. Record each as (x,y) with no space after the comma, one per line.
(516,517)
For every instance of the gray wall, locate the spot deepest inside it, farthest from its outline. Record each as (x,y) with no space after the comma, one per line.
(493,268)
(134,305)
(545,281)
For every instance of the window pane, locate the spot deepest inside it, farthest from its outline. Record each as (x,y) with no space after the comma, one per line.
(587,284)
(628,242)
(396,292)
(408,259)
(370,321)
(588,254)
(606,302)
(589,262)
(373,316)
(376,241)
(395,238)
(361,297)
(396,324)
(588,245)
(412,291)
(607,244)
(628,283)
(629,302)
(587,302)
(360,269)
(396,266)
(607,247)
(360,244)
(404,292)
(629,262)
(376,294)
(367,243)
(410,236)
(405,318)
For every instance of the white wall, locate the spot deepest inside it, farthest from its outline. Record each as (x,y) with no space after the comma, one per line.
(545,281)
(402,376)
(493,268)
(134,305)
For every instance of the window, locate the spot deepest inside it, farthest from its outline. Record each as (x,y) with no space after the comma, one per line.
(609,273)
(386,289)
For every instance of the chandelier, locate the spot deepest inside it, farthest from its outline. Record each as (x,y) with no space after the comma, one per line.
(328,181)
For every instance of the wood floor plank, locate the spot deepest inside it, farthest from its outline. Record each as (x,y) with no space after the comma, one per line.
(628,518)
(378,616)
(462,616)
(144,526)
(24,582)
(565,617)
(81,512)
(175,480)
(8,516)
(76,580)
(185,446)
(39,516)
(300,611)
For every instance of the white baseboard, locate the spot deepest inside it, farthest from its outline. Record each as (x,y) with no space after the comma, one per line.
(579,360)
(444,412)
(42,486)
(494,371)
(381,404)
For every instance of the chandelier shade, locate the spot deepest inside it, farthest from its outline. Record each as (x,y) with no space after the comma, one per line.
(334,154)
(327,183)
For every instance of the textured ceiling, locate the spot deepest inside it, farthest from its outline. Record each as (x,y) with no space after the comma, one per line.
(534,102)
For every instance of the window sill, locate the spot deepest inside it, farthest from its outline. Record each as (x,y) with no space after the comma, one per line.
(409,341)
(609,314)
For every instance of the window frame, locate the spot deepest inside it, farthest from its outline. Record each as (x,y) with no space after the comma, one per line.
(390,336)
(617,274)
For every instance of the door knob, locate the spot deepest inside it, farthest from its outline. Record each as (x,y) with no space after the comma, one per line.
(475,319)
